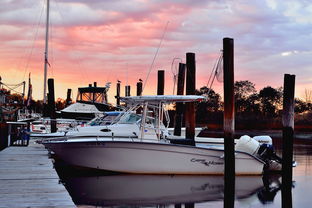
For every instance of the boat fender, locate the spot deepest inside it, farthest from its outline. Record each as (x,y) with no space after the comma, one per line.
(247,144)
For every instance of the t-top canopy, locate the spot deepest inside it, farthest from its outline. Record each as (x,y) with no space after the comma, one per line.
(163,98)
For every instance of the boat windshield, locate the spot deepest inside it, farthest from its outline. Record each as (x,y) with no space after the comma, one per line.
(129,118)
(103,120)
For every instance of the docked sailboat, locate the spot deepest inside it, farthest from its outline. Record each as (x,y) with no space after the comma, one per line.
(153,151)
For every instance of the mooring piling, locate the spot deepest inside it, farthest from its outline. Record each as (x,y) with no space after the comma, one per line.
(288,138)
(160,82)
(139,88)
(179,106)
(127,90)
(51,104)
(190,90)
(118,93)
(68,99)
(228,122)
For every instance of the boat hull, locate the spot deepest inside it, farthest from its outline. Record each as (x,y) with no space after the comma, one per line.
(151,158)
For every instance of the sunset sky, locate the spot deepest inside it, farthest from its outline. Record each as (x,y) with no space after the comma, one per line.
(102,41)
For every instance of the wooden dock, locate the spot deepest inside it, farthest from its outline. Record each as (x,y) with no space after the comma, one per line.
(27,179)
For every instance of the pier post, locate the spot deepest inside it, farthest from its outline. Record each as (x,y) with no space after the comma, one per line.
(127,90)
(118,93)
(161,82)
(51,104)
(139,88)
(190,90)
(4,137)
(288,138)
(68,99)
(179,106)
(228,122)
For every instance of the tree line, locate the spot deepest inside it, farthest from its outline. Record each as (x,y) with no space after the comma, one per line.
(253,109)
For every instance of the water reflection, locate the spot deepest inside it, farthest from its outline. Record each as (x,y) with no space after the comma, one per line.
(149,190)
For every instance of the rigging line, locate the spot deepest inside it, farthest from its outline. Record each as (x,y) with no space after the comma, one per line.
(16,85)
(215,72)
(13,88)
(212,73)
(34,40)
(214,68)
(127,75)
(151,66)
(51,48)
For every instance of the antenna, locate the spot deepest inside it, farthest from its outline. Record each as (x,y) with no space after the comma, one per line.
(150,69)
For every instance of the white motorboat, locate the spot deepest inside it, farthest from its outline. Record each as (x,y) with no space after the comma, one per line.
(152,151)
(92,128)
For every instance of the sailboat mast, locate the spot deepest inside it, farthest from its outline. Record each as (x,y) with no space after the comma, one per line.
(46,55)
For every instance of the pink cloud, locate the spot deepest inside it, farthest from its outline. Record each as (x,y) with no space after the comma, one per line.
(106,40)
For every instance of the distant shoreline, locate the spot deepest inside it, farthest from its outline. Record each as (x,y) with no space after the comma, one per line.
(276,134)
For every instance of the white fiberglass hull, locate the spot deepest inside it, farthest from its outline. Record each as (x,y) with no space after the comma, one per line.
(119,130)
(150,158)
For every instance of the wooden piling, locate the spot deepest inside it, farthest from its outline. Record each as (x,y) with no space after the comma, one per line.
(3,135)
(118,94)
(288,138)
(139,88)
(51,104)
(68,98)
(179,106)
(161,82)
(190,90)
(228,123)
(127,90)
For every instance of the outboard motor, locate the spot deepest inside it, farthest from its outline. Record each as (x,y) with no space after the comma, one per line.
(264,151)
(267,153)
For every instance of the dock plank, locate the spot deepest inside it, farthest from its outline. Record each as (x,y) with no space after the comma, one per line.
(27,179)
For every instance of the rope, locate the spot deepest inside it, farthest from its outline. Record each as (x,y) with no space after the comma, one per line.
(13,88)
(33,43)
(150,69)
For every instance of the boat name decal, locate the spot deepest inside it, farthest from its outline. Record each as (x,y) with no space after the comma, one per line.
(207,163)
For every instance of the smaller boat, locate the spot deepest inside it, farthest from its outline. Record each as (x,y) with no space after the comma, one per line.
(91,101)
(70,127)
(152,150)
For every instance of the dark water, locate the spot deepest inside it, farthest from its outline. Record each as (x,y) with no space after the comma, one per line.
(114,190)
